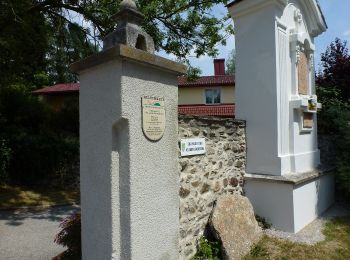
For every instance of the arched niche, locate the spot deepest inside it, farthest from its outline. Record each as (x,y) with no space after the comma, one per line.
(141,43)
(304,64)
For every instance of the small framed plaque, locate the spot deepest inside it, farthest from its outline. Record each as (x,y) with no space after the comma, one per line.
(153,117)
(308,120)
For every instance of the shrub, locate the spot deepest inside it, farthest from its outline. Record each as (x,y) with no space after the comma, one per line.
(43,144)
(5,156)
(263,222)
(208,250)
(333,92)
(40,156)
(339,122)
(70,237)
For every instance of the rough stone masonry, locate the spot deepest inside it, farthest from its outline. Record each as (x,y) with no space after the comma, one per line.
(204,178)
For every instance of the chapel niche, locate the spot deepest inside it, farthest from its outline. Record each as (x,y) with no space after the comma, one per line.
(304,55)
(303,74)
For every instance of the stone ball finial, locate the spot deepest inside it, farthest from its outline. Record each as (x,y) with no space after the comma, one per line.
(128,4)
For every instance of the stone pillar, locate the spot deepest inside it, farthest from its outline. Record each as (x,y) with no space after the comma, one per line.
(128,134)
(275,94)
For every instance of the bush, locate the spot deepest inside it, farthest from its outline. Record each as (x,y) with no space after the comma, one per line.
(333,91)
(40,156)
(43,144)
(334,121)
(70,237)
(208,250)
(263,222)
(5,156)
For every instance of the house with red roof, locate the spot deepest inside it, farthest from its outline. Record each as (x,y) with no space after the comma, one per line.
(206,96)
(56,96)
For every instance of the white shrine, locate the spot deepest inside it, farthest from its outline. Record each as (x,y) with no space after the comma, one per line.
(275,93)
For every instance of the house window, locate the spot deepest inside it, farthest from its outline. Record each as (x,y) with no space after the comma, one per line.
(212,96)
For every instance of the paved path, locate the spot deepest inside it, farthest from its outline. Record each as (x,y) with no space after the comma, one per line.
(31,235)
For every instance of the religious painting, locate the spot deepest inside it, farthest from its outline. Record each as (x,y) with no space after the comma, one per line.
(303,74)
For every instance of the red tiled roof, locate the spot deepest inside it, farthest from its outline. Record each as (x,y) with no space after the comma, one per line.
(227,110)
(207,81)
(59,88)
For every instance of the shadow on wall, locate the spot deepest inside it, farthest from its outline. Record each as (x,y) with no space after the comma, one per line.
(120,155)
(324,187)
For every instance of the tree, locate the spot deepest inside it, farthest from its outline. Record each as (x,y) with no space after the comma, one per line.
(336,68)
(23,42)
(40,38)
(231,63)
(67,44)
(177,26)
(333,90)
(35,50)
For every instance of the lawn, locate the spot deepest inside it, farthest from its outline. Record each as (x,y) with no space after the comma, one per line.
(17,196)
(336,245)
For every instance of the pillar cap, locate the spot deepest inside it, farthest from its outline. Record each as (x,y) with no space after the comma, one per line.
(129,29)
(126,53)
(128,4)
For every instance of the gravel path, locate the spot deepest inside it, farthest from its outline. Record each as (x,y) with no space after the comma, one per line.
(312,234)
(30,235)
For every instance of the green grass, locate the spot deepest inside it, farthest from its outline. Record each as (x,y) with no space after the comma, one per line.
(336,246)
(17,196)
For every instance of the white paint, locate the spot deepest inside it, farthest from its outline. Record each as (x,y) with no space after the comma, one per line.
(269,38)
(311,200)
(193,146)
(129,184)
(288,207)
(273,202)
(268,34)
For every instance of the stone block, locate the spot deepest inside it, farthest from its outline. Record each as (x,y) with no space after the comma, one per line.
(233,223)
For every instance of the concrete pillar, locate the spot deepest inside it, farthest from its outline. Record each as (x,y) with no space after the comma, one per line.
(275,95)
(128,131)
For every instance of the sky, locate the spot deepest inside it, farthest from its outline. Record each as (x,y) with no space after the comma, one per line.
(336,12)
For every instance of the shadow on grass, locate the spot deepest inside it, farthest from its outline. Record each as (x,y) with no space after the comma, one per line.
(55,214)
(17,197)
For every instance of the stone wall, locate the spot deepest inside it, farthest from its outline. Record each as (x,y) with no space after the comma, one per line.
(204,178)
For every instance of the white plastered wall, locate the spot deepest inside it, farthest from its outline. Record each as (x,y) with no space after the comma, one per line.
(267,34)
(291,207)
(256,90)
(265,85)
(130,203)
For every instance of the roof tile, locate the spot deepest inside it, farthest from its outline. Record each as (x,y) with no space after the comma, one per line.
(59,88)
(207,81)
(227,110)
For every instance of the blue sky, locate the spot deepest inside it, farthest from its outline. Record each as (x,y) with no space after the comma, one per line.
(337,14)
